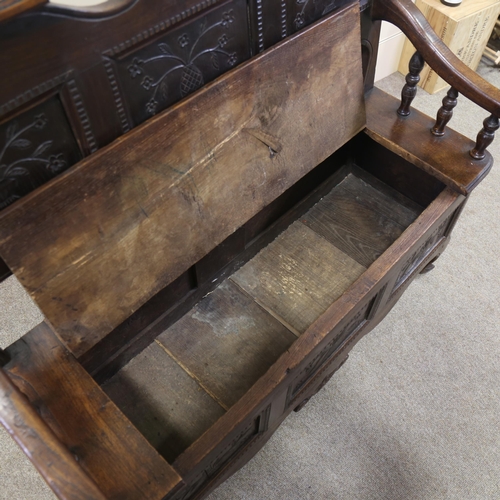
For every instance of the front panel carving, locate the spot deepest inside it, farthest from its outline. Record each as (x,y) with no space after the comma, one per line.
(418,256)
(181,61)
(230,453)
(326,353)
(34,147)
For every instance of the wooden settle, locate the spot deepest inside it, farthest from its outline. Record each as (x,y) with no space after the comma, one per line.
(210,210)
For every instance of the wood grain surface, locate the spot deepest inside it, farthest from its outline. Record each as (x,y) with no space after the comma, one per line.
(166,405)
(278,377)
(11,8)
(361,226)
(50,457)
(226,342)
(109,449)
(298,276)
(447,158)
(135,215)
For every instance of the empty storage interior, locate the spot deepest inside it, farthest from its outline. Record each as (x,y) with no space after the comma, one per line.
(199,366)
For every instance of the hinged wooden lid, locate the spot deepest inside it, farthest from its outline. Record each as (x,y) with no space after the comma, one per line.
(94,244)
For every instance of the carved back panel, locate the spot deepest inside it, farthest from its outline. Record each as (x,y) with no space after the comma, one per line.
(96,243)
(80,79)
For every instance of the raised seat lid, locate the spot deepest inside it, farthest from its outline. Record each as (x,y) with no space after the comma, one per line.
(94,244)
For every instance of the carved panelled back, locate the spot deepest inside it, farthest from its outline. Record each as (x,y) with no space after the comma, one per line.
(78,80)
(94,244)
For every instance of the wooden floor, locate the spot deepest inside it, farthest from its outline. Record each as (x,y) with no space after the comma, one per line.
(198,368)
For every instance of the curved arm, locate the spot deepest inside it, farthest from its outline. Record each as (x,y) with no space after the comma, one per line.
(11,8)
(408,18)
(107,8)
(51,458)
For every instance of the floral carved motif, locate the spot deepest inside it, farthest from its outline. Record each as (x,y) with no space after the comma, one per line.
(308,11)
(34,147)
(183,58)
(38,156)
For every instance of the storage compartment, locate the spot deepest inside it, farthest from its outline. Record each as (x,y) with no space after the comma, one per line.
(196,369)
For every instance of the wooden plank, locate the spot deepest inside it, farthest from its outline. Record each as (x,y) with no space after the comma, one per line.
(116,350)
(50,457)
(277,380)
(226,342)
(298,276)
(447,158)
(373,193)
(108,448)
(355,227)
(125,222)
(166,405)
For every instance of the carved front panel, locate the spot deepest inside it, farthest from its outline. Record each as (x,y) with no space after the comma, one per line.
(418,256)
(243,442)
(34,147)
(323,357)
(182,61)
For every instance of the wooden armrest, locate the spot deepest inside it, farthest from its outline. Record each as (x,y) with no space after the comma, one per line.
(11,8)
(448,160)
(108,447)
(407,17)
(51,458)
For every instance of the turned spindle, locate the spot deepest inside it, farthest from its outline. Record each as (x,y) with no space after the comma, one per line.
(485,137)
(445,112)
(410,89)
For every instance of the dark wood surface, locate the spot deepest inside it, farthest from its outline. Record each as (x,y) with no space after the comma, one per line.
(108,234)
(160,312)
(208,360)
(51,458)
(346,215)
(412,78)
(139,58)
(226,342)
(168,406)
(447,158)
(351,316)
(221,178)
(4,271)
(108,448)
(485,137)
(445,113)
(11,8)
(298,275)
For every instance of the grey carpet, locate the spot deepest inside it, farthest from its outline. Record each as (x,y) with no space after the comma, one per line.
(415,412)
